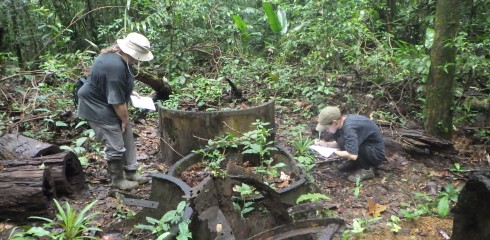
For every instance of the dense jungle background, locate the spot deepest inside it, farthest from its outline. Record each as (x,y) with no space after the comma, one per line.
(418,64)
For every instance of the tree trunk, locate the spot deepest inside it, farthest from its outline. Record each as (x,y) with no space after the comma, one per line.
(441,74)
(390,15)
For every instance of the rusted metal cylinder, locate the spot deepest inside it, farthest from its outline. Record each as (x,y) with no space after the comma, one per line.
(184,131)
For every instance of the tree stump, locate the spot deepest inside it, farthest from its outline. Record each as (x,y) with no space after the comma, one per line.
(472,212)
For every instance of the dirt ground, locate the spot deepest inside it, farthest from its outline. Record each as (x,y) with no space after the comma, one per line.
(398,181)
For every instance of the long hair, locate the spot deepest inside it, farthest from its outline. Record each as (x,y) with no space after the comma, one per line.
(114,48)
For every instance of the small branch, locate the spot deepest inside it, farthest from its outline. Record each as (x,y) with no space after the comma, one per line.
(22,73)
(232,128)
(170,146)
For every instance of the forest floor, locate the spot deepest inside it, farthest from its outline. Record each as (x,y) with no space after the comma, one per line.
(400,179)
(399,183)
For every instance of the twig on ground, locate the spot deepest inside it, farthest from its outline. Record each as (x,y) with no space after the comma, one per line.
(444,235)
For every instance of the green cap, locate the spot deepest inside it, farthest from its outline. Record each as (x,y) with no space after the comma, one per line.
(326,117)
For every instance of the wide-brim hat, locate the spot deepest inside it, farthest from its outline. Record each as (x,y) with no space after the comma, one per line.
(137,46)
(326,117)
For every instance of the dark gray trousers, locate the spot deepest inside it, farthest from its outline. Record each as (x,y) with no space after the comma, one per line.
(118,145)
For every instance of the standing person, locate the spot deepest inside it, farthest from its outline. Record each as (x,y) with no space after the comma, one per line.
(103,102)
(359,139)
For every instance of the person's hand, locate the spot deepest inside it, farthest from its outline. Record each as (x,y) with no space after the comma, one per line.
(320,143)
(136,94)
(346,155)
(124,125)
(342,154)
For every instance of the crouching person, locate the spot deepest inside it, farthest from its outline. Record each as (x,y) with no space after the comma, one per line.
(359,139)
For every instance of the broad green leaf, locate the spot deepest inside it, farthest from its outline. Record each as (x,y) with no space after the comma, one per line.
(145,227)
(239,23)
(81,123)
(429,37)
(164,236)
(61,124)
(151,220)
(246,210)
(272,17)
(38,231)
(313,197)
(281,14)
(443,206)
(80,141)
(242,27)
(279,165)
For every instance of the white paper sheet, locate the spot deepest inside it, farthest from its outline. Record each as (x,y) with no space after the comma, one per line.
(324,151)
(143,102)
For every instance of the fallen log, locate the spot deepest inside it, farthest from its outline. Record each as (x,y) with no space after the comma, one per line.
(13,146)
(65,169)
(26,191)
(413,141)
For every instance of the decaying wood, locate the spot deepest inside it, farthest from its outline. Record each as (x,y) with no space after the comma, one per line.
(67,171)
(162,88)
(26,191)
(13,146)
(32,173)
(65,168)
(413,141)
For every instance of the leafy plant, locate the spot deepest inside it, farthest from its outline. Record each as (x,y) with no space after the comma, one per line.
(253,142)
(359,226)
(72,223)
(162,228)
(445,198)
(305,162)
(312,197)
(457,168)
(241,204)
(16,234)
(256,141)
(393,224)
(441,204)
(301,144)
(122,212)
(357,188)
(247,207)
(273,18)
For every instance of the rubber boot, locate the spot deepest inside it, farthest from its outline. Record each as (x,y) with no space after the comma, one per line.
(117,176)
(348,165)
(133,175)
(361,174)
